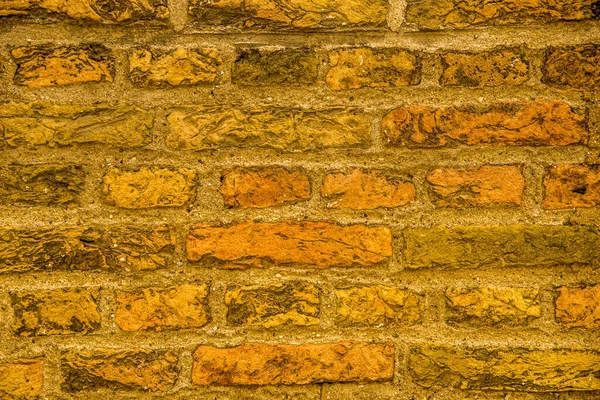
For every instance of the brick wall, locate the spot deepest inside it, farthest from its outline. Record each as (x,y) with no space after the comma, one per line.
(267,199)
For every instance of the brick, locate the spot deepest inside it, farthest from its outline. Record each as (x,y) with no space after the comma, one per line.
(518,369)
(497,67)
(263,187)
(578,307)
(573,67)
(365,190)
(496,246)
(41,66)
(55,312)
(365,67)
(377,306)
(492,306)
(41,184)
(180,307)
(204,128)
(442,14)
(486,185)
(292,303)
(118,248)
(302,14)
(46,124)
(87,11)
(260,67)
(178,67)
(303,245)
(149,187)
(283,364)
(21,379)
(572,186)
(499,124)
(137,370)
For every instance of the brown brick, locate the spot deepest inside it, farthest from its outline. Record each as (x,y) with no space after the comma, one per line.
(39,66)
(364,190)
(500,124)
(86,10)
(440,14)
(283,364)
(572,186)
(519,369)
(179,67)
(21,379)
(140,370)
(492,306)
(377,306)
(204,128)
(573,67)
(260,67)
(486,185)
(257,14)
(579,307)
(263,187)
(180,307)
(365,67)
(45,124)
(118,248)
(293,303)
(42,184)
(501,66)
(303,245)
(55,312)
(495,246)
(149,187)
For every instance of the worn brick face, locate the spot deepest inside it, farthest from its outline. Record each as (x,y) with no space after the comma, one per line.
(21,379)
(259,67)
(308,363)
(293,303)
(363,190)
(500,124)
(303,245)
(573,67)
(572,186)
(578,307)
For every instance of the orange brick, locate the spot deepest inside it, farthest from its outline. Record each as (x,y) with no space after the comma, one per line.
(579,307)
(21,379)
(573,67)
(572,186)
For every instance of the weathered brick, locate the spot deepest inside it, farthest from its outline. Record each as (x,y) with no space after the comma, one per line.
(140,370)
(500,124)
(87,10)
(377,306)
(303,245)
(494,246)
(492,306)
(573,67)
(578,307)
(366,67)
(293,303)
(486,185)
(40,66)
(204,128)
(41,184)
(118,248)
(149,187)
(179,67)
(364,190)
(440,14)
(572,186)
(257,14)
(263,187)
(21,379)
(291,67)
(283,364)
(501,66)
(516,369)
(55,312)
(178,307)
(46,124)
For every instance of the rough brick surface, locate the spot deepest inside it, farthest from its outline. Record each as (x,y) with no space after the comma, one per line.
(573,67)
(572,186)
(579,307)
(259,67)
(21,379)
